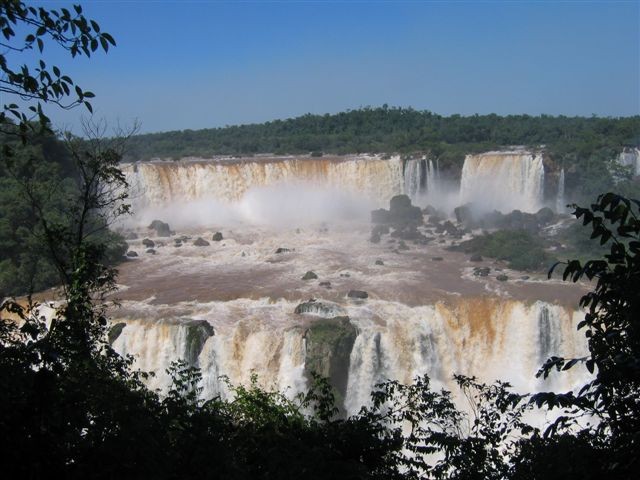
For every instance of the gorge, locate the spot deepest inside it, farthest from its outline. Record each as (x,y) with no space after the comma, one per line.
(239,305)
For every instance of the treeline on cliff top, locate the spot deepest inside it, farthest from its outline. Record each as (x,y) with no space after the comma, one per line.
(394,129)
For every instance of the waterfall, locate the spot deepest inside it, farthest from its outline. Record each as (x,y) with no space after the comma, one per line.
(421,178)
(488,337)
(560,201)
(630,157)
(158,183)
(503,181)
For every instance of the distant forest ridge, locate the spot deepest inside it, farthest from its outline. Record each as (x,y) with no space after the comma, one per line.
(393,130)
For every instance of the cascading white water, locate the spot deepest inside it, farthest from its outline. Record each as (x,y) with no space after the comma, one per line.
(421,179)
(160,183)
(413,175)
(560,201)
(503,181)
(487,337)
(630,157)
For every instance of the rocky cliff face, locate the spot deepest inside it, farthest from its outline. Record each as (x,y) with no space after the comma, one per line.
(329,342)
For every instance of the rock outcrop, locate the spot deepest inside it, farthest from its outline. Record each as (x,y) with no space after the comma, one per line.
(200,242)
(358,294)
(161,228)
(400,212)
(329,344)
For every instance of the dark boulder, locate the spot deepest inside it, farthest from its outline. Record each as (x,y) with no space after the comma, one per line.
(132,254)
(379,262)
(451,229)
(325,284)
(151,251)
(148,243)
(502,278)
(464,214)
(217,237)
(200,242)
(545,215)
(162,229)
(430,210)
(282,250)
(309,276)
(131,236)
(380,229)
(380,216)
(359,294)
(476,258)
(400,212)
(407,232)
(481,271)
(375,237)
(437,259)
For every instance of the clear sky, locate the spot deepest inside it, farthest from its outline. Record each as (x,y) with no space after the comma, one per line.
(189,65)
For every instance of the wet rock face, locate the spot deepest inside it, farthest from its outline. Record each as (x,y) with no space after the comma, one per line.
(309,276)
(198,331)
(115,331)
(400,212)
(161,228)
(481,271)
(408,232)
(201,242)
(358,294)
(329,344)
(515,220)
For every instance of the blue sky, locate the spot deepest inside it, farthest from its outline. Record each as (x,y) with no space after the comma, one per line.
(190,65)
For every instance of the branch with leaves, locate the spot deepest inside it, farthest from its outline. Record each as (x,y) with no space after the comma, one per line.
(42,83)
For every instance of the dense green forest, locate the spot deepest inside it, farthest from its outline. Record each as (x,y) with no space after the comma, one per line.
(392,129)
(40,190)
